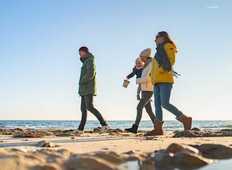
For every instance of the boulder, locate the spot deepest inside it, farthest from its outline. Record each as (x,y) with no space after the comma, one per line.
(179,156)
(148,164)
(11,162)
(132,156)
(110,157)
(185,160)
(174,148)
(45,167)
(163,159)
(215,151)
(88,163)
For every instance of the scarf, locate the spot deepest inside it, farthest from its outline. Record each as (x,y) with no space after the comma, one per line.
(162,58)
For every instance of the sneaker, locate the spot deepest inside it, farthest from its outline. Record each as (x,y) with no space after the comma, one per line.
(133,129)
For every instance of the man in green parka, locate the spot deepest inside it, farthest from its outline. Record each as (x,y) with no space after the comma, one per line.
(87,88)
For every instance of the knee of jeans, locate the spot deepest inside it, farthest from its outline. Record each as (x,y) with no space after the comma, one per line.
(165,104)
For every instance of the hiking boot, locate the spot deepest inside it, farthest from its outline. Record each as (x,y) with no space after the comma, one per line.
(158,129)
(133,129)
(186,121)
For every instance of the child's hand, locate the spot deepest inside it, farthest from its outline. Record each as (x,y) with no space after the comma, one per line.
(138,97)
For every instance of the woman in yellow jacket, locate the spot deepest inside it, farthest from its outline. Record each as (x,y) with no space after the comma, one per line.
(162,79)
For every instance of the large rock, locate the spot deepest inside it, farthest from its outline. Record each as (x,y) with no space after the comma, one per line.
(179,156)
(215,151)
(88,163)
(45,167)
(186,160)
(163,159)
(19,161)
(174,148)
(148,164)
(110,157)
(11,162)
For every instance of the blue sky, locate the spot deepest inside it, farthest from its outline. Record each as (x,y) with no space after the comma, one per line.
(40,67)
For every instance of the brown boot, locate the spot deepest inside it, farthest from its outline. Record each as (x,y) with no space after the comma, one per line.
(186,121)
(158,129)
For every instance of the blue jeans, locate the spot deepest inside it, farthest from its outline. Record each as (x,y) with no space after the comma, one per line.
(162,93)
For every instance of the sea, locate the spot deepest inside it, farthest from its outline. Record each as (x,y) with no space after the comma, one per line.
(170,125)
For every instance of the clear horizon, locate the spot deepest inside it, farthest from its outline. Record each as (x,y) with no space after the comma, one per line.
(40,67)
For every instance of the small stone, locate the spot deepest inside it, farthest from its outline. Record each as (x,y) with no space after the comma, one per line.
(126,134)
(150,138)
(73,137)
(129,152)
(46,144)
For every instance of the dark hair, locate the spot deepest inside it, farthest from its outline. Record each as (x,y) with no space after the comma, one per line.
(166,36)
(85,49)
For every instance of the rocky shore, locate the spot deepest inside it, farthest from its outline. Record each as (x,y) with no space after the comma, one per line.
(29,149)
(39,133)
(174,156)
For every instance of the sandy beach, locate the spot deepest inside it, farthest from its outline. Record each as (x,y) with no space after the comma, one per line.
(57,149)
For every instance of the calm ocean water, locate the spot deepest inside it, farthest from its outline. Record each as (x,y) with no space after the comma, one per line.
(144,125)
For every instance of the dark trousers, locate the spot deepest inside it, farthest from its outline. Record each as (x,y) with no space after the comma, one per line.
(145,101)
(87,105)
